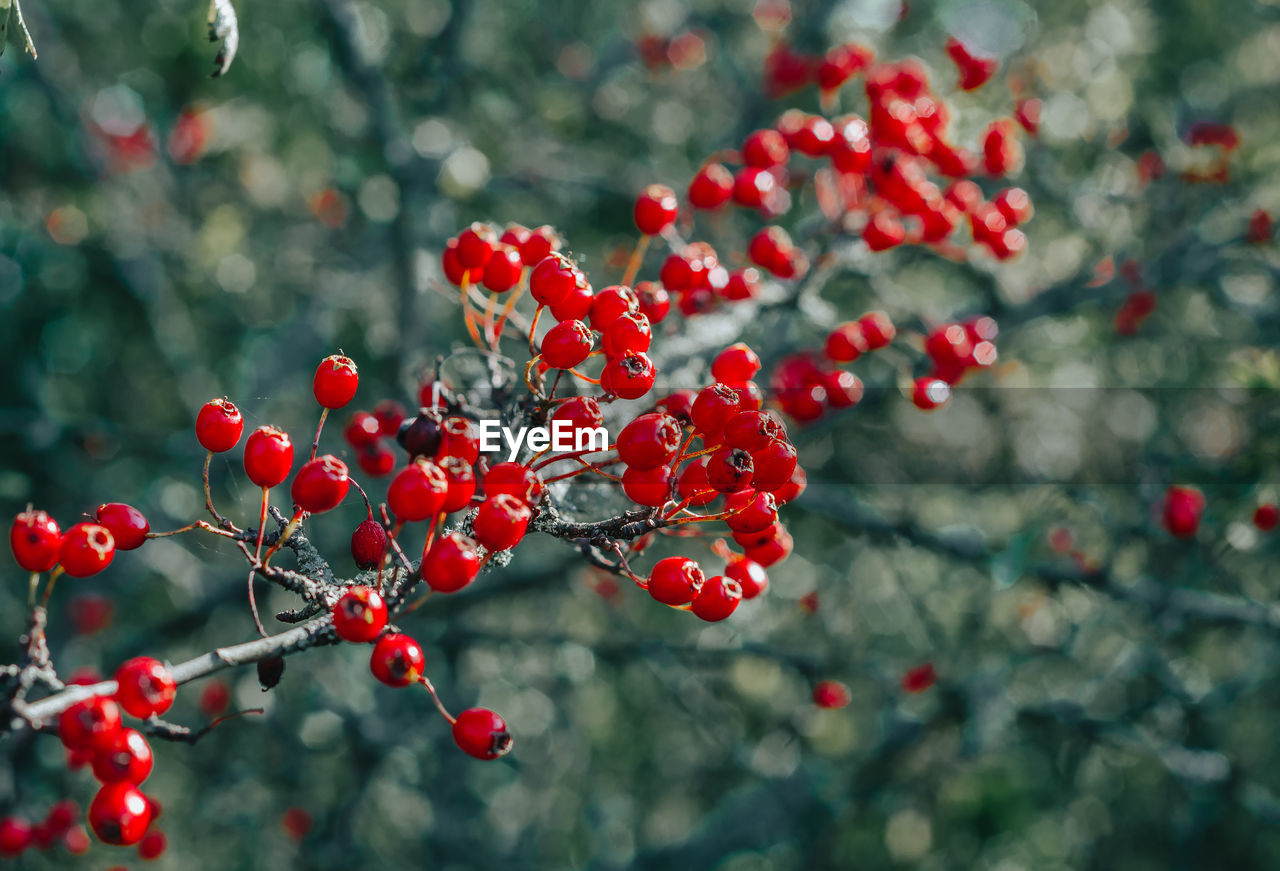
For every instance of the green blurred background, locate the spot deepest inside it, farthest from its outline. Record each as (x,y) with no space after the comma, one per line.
(166,237)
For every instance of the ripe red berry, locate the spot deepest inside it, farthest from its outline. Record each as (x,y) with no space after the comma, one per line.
(656,209)
(336,381)
(877,330)
(711,187)
(418,491)
(369,544)
(752,430)
(654,301)
(376,460)
(649,487)
(1015,205)
(742,284)
(152,845)
(611,303)
(749,574)
(712,410)
(975,70)
(481,733)
(389,414)
(268,455)
(582,412)
(126,524)
(145,687)
(650,440)
(397,660)
(35,540)
(360,615)
(1183,507)
(1266,516)
(629,376)
(87,548)
(920,678)
(929,393)
(15,836)
(676,273)
(500,522)
(884,231)
(850,153)
(459,437)
(503,269)
(845,343)
(119,814)
(567,344)
(320,484)
(693,486)
(1001,151)
(675,580)
(462,483)
(89,724)
(753,511)
(127,759)
(422,434)
(830,694)
(774,464)
(218,425)
(362,430)
(629,332)
(844,389)
(451,563)
(765,149)
(735,363)
(753,187)
(553,279)
(718,598)
(729,470)
(515,479)
(475,245)
(576,305)
(773,551)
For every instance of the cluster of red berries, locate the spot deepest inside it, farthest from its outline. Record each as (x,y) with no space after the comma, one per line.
(88,547)
(60,825)
(1183,508)
(369,434)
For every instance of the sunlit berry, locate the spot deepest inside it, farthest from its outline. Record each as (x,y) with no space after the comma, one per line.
(397,660)
(218,425)
(35,540)
(359,615)
(87,548)
(145,687)
(481,733)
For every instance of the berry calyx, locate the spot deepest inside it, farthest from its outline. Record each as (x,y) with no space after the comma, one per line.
(119,814)
(418,491)
(452,563)
(336,381)
(360,615)
(675,580)
(397,660)
(718,598)
(369,544)
(87,548)
(127,759)
(656,209)
(35,540)
(268,456)
(500,522)
(481,733)
(320,484)
(219,425)
(729,470)
(145,687)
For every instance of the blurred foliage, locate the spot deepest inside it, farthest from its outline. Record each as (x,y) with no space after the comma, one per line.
(149,261)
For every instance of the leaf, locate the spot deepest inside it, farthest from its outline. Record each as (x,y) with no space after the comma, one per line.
(224,26)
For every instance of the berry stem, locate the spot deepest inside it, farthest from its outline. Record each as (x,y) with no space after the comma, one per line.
(466,310)
(431,537)
(637,257)
(436,698)
(507,309)
(208,496)
(48,589)
(31,589)
(253,606)
(294,522)
(533,328)
(315,443)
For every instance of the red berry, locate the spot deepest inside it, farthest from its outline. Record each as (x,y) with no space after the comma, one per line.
(774,465)
(742,284)
(676,273)
(321,484)
(15,836)
(929,393)
(553,279)
(1183,507)
(152,846)
(1015,205)
(773,551)
(389,414)
(577,305)
(582,412)
(884,231)
(127,759)
(752,430)
(877,330)
(650,440)
(397,660)
(693,485)
(850,153)
(218,425)
(735,363)
(77,841)
(753,187)
(145,687)
(611,303)
(975,71)
(750,575)
(830,694)
(418,491)
(675,580)
(712,410)
(454,272)
(35,540)
(656,209)
(654,301)
(678,404)
(718,598)
(1001,151)
(515,479)
(649,487)
(360,615)
(296,822)
(89,724)
(729,470)
(451,563)
(459,437)
(503,269)
(630,332)
(920,678)
(61,816)
(481,733)
(542,241)
(755,511)
(462,483)
(711,188)
(500,522)
(794,486)
(567,344)
(475,246)
(363,430)
(629,376)
(90,613)
(845,343)
(369,544)
(336,381)
(964,195)
(376,460)
(268,456)
(765,149)
(119,814)
(87,548)
(844,389)
(1266,516)
(421,436)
